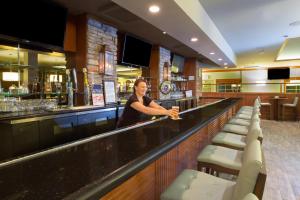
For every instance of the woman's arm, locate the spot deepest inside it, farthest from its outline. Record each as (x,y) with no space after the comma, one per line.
(156,106)
(152,111)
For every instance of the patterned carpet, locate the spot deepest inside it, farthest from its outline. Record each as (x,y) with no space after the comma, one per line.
(282,152)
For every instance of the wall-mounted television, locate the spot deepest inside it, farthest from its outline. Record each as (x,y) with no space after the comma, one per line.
(278,73)
(37,22)
(177,62)
(136,52)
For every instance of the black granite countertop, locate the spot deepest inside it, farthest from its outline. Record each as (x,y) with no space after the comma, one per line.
(90,168)
(39,113)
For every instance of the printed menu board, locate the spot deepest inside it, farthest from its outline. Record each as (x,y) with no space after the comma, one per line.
(109,92)
(97,95)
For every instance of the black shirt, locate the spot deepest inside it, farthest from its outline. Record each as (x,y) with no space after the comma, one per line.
(130,115)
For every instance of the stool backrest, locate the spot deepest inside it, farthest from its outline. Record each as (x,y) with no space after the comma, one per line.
(295,102)
(252,163)
(250,196)
(254,131)
(256,103)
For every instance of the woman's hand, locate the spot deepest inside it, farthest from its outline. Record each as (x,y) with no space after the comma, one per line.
(173,113)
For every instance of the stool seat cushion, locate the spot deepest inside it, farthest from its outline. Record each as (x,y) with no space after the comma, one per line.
(230,139)
(195,185)
(265,104)
(222,156)
(250,196)
(238,129)
(238,121)
(243,116)
(288,105)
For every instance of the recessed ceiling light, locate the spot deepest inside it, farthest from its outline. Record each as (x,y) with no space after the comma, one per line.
(220,59)
(194,39)
(212,53)
(154,9)
(164,32)
(295,23)
(225,64)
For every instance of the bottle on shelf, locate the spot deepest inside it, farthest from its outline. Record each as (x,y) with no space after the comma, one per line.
(69,89)
(47,84)
(86,88)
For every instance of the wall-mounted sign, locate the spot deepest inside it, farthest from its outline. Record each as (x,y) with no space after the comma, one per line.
(188,93)
(109,91)
(97,95)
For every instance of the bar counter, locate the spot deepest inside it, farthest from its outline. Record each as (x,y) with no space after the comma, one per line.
(91,168)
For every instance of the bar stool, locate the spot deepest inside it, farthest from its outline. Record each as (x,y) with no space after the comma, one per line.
(221,159)
(265,106)
(290,109)
(194,185)
(235,141)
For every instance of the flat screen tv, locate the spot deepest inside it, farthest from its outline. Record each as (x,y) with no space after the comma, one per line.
(136,52)
(278,73)
(178,62)
(33,22)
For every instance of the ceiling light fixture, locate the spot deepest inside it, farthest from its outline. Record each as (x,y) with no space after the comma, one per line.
(154,9)
(220,59)
(225,64)
(212,53)
(164,32)
(194,39)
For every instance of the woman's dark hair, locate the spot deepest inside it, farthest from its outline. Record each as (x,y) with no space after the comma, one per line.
(137,82)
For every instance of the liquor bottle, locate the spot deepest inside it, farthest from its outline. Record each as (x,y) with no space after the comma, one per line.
(86,88)
(48,87)
(69,89)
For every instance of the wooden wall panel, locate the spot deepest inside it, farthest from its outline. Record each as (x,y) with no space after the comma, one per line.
(166,171)
(222,120)
(70,35)
(213,128)
(154,72)
(140,186)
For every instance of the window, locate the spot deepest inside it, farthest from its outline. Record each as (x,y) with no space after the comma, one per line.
(293,86)
(228,85)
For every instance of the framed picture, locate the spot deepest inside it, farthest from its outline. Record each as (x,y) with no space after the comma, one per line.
(97,95)
(109,91)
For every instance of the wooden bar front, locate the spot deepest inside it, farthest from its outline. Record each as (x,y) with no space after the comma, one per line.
(150,182)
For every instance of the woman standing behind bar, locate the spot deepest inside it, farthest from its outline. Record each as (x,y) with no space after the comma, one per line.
(139,104)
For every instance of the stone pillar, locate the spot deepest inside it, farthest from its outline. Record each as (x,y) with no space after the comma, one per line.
(159,56)
(92,35)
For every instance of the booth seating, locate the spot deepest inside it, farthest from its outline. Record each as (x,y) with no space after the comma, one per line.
(225,160)
(195,185)
(289,110)
(236,141)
